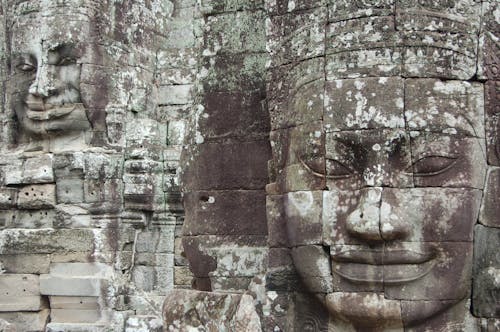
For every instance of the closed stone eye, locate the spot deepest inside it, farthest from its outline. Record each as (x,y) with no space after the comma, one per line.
(334,169)
(314,164)
(433,165)
(337,170)
(65,61)
(26,67)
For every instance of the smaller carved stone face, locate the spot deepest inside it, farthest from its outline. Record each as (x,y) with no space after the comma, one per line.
(45,73)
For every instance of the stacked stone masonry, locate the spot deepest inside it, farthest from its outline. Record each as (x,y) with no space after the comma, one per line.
(249,165)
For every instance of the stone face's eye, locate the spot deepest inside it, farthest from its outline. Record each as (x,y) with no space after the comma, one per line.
(65,61)
(433,165)
(25,67)
(337,170)
(314,164)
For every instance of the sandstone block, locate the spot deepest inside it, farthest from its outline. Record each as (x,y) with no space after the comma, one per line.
(234,114)
(453,107)
(19,285)
(69,190)
(235,32)
(217,311)
(303,210)
(229,212)
(46,241)
(22,303)
(34,219)
(175,94)
(38,169)
(492,107)
(71,286)
(364,104)
(25,263)
(75,315)
(140,323)
(8,198)
(485,287)
(76,327)
(228,166)
(27,321)
(37,196)
(297,36)
(490,209)
(74,302)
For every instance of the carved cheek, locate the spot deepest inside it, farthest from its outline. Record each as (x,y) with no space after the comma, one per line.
(69,75)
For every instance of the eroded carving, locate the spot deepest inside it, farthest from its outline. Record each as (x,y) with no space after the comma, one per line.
(380,161)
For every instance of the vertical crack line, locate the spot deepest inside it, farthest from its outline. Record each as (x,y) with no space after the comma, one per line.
(408,131)
(479,33)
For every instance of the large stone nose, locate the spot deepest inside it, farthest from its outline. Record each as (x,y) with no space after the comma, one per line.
(44,84)
(373,221)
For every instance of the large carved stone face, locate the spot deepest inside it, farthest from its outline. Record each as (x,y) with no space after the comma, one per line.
(382,187)
(45,72)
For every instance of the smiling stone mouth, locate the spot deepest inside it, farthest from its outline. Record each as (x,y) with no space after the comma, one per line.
(42,111)
(390,267)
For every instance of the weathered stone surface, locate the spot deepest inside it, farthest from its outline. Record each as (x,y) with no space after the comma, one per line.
(276,221)
(489,208)
(378,157)
(287,84)
(376,310)
(27,321)
(22,303)
(25,263)
(6,326)
(302,164)
(184,310)
(447,271)
(235,32)
(234,114)
(75,315)
(230,166)
(297,36)
(486,288)
(143,323)
(71,286)
(37,196)
(303,217)
(17,285)
(73,302)
(364,104)
(21,241)
(492,110)
(488,62)
(419,315)
(453,107)
(354,51)
(448,160)
(231,212)
(8,198)
(313,264)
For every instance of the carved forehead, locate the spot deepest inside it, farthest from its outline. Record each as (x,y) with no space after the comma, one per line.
(51,21)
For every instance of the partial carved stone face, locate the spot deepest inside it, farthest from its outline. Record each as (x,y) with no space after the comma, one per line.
(382,195)
(45,72)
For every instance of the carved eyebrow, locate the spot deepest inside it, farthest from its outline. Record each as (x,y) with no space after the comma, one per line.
(63,49)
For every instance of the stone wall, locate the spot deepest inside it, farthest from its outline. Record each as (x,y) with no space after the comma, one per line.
(250,165)
(89,214)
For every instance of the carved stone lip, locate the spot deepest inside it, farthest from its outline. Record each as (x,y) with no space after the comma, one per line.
(390,257)
(39,111)
(390,268)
